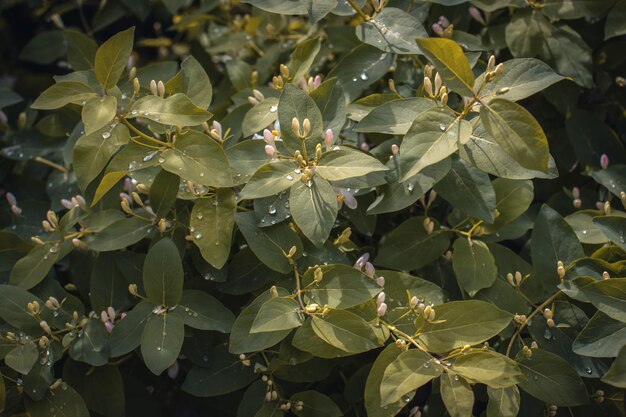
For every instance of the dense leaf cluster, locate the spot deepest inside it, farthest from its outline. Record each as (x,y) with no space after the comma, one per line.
(314,208)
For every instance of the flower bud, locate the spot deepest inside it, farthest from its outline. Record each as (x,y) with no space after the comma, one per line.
(268,396)
(132,289)
(382,310)
(318,150)
(136,86)
(161,88)
(44,325)
(547,313)
(16,210)
(360,263)
(274,395)
(36,240)
(622,196)
(270,151)
(491,64)
(518,278)
(284,71)
(258,95)
(438,83)
(526,352)
(268,137)
(499,69)
(292,251)
(503,90)
(11,199)
(153,87)
(605,275)
(312,308)
(162,225)
(607,208)
(318,275)
(444,99)
(380,299)
(306,127)
(414,301)
(509,278)
(395,149)
(577,202)
(604,161)
(370,271)
(44,342)
(21,120)
(428,87)
(295,126)
(132,73)
(560,269)
(274,291)
(380,281)
(550,323)
(253,100)
(136,198)
(79,244)
(475,14)
(52,218)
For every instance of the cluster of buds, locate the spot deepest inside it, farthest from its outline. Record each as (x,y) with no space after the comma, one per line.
(303,132)
(527,352)
(344,237)
(76,201)
(245,361)
(599,396)
(157,88)
(576,201)
(306,176)
(514,279)
(318,275)
(560,269)
(493,71)
(552,410)
(52,222)
(432,196)
(52,304)
(33,308)
(429,225)
(43,342)
(429,313)
(271,394)
(132,289)
(278,81)
(548,314)
(443,27)
(15,209)
(381,306)
(256,97)
(436,90)
(215,130)
(108,318)
(402,344)
(312,308)
(370,271)
(270,144)
(310,84)
(519,319)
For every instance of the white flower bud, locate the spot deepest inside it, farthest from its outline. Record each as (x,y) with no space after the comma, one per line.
(438,83)
(428,87)
(306,127)
(153,88)
(382,310)
(295,126)
(370,271)
(414,301)
(136,86)
(380,299)
(380,281)
(161,88)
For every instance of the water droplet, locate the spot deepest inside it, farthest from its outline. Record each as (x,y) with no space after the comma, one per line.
(202,174)
(159,348)
(272,210)
(584,232)
(535,378)
(456,377)
(364,76)
(588,371)
(133,112)
(197,235)
(547,334)
(106,135)
(132,165)
(161,160)
(199,215)
(354,79)
(410,187)
(55,313)
(289,177)
(273,109)
(192,229)
(442,127)
(150,155)
(406,398)
(54,249)
(205,358)
(426,364)
(124,96)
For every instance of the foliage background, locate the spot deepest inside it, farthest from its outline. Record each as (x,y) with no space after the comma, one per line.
(575,217)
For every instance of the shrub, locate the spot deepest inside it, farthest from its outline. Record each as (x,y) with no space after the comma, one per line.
(315,207)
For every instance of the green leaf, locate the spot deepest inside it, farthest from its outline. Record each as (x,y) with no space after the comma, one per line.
(44,48)
(473,264)
(315,404)
(330,99)
(520,78)
(302,59)
(513,197)
(212,222)
(14,311)
(469,190)
(409,371)
(503,402)
(176,110)
(62,401)
(553,240)
(347,163)
(91,344)
(193,81)
(448,58)
(161,341)
(613,178)
(242,340)
(33,268)
(260,116)
(163,192)
(457,395)
(434,135)
(614,227)
(60,94)
(552,380)
(410,247)
(306,340)
(616,375)
(107,286)
(319,8)
(245,158)
(295,103)
(108,181)
(460,323)
(518,132)
(121,234)
(271,179)
(22,358)
(608,296)
(490,368)
(112,57)
(92,152)
(394,117)
(571,54)
(614,25)
(341,287)
(102,388)
(221,374)
(574,9)
(392,30)
(345,330)
(591,137)
(269,244)
(277,314)
(163,273)
(523,33)
(98,112)
(196,157)
(314,208)
(126,334)
(202,311)
(602,337)
(81,50)
(374,379)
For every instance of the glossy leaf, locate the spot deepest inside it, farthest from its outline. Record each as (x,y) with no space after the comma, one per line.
(448,58)
(341,287)
(392,30)
(112,57)
(163,274)
(314,208)
(161,341)
(409,371)
(277,314)
(457,395)
(473,264)
(203,311)
(177,110)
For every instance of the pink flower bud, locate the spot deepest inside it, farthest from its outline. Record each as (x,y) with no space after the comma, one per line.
(172,371)
(382,309)
(414,301)
(380,299)
(395,149)
(577,202)
(437,29)
(444,22)
(380,281)
(79,244)
(370,271)
(11,199)
(576,192)
(268,137)
(475,14)
(16,210)
(317,81)
(329,138)
(604,161)
(360,263)
(66,203)
(365,146)
(270,151)
(217,126)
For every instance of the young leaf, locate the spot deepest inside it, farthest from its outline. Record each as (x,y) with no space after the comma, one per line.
(81,50)
(212,221)
(394,117)
(98,112)
(62,93)
(330,99)
(302,59)
(409,371)
(176,110)
(392,30)
(271,179)
(518,132)
(314,208)
(601,337)
(473,264)
(490,368)
(121,234)
(277,314)
(193,81)
(346,163)
(163,192)
(614,227)
(372,397)
(616,375)
(260,116)
(33,268)
(112,57)
(345,331)
(448,58)
(457,395)
(163,273)
(126,334)
(295,103)
(608,296)
(161,341)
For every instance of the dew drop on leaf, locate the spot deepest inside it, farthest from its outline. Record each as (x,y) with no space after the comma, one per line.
(106,135)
